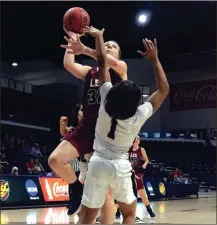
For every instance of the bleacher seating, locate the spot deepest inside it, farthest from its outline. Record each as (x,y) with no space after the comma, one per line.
(195,160)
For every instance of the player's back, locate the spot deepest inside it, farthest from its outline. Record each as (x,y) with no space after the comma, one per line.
(114,137)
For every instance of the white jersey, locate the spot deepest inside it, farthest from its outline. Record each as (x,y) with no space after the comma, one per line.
(124,132)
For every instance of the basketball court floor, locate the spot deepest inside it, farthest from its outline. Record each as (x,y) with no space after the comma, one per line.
(188,211)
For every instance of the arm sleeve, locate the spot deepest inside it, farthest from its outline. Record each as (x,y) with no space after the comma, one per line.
(145,111)
(104,91)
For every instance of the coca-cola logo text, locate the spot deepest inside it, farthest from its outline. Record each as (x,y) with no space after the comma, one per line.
(203,93)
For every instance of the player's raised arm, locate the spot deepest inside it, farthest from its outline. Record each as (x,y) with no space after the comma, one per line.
(157,98)
(104,76)
(74,47)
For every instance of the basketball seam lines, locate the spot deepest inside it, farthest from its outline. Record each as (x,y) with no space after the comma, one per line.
(81,15)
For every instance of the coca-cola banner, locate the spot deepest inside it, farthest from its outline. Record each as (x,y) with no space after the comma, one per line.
(193,95)
(54,189)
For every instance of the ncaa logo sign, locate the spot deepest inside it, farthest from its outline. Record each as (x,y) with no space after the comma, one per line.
(31,188)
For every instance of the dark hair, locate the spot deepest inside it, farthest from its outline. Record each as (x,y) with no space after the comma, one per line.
(74,116)
(76,109)
(122,100)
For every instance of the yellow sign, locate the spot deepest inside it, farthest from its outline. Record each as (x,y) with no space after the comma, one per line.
(162,188)
(4,190)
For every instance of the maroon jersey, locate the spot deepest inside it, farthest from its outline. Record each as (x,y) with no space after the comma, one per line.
(91,95)
(135,158)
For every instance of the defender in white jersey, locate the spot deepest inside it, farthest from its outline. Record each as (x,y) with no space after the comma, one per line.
(119,121)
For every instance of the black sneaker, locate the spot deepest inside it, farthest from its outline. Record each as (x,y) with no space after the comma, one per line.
(75,196)
(98,220)
(151,213)
(118,214)
(74,208)
(138,220)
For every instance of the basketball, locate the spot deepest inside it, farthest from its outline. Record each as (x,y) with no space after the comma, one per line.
(75,19)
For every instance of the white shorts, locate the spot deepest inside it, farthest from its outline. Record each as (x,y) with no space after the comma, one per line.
(83,166)
(104,173)
(83,171)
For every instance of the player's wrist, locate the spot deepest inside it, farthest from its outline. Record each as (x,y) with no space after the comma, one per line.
(84,49)
(155,60)
(99,35)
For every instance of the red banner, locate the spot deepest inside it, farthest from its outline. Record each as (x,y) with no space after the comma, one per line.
(54,189)
(193,95)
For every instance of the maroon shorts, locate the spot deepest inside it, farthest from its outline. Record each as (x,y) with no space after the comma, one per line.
(139,181)
(82,139)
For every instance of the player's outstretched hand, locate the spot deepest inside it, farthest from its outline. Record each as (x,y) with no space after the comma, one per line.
(63,120)
(75,45)
(151,51)
(92,31)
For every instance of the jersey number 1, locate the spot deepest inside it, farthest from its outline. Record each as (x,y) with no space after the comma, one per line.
(111,133)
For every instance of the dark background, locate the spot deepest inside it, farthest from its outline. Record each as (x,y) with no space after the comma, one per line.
(33,30)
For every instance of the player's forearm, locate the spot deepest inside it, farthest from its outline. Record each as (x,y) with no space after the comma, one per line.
(100,50)
(69,59)
(104,76)
(63,129)
(146,163)
(160,77)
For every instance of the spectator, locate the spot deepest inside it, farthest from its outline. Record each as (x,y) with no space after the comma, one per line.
(3,159)
(27,149)
(177,173)
(38,167)
(35,151)
(3,163)
(14,171)
(30,166)
(44,151)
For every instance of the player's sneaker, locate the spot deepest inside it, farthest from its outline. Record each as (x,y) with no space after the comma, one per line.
(138,220)
(98,220)
(75,196)
(149,210)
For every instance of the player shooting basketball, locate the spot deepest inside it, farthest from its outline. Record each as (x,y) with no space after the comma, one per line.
(80,141)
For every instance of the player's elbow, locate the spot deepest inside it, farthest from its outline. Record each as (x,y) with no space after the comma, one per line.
(62,133)
(68,66)
(165,89)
